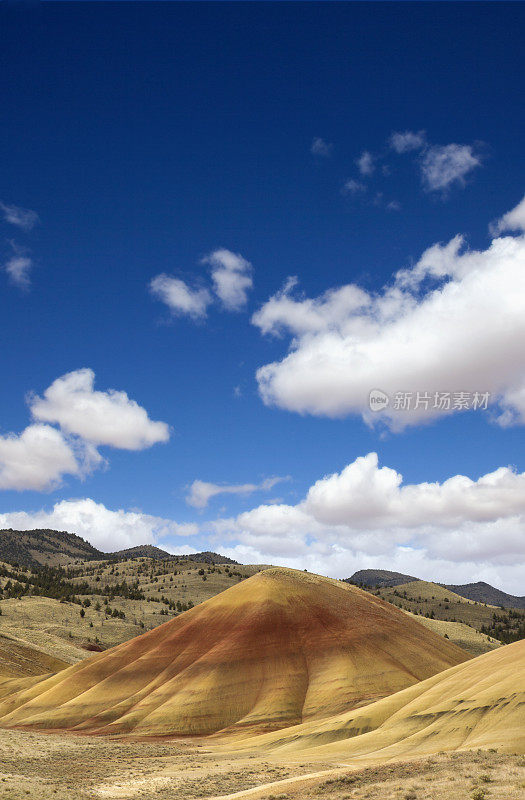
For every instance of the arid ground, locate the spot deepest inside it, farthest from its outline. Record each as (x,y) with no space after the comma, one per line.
(64,767)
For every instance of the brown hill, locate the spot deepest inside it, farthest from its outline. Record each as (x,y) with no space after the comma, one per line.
(276,649)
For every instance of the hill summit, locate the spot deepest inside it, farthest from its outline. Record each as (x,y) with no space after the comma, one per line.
(277,649)
(43,547)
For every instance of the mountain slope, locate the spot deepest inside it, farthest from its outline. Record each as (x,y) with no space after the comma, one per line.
(379,578)
(19,659)
(44,547)
(480,703)
(274,650)
(57,548)
(485,593)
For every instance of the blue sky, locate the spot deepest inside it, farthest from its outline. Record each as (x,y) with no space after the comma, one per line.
(225,142)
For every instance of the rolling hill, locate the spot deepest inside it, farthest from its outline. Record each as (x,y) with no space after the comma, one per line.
(482,592)
(479,592)
(379,578)
(42,547)
(431,600)
(274,650)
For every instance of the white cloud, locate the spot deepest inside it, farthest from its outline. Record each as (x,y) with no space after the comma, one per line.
(365,163)
(454,322)
(22,218)
(231,276)
(18,268)
(39,457)
(201,492)
(179,297)
(353,187)
(364,516)
(321,148)
(512,221)
(102,418)
(406,141)
(283,312)
(443,166)
(104,528)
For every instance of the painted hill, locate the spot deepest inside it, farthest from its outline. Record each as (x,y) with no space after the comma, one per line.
(478,704)
(482,592)
(274,650)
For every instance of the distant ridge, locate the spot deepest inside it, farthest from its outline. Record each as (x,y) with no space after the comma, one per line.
(480,592)
(379,577)
(44,547)
(485,593)
(207,557)
(150,551)
(140,551)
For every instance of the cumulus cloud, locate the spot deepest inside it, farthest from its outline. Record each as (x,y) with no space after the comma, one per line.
(104,528)
(365,516)
(179,297)
(321,148)
(231,276)
(102,418)
(22,218)
(445,165)
(365,163)
(454,322)
(406,141)
(201,492)
(39,458)
(512,221)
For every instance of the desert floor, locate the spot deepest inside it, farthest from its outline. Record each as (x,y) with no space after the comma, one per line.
(66,767)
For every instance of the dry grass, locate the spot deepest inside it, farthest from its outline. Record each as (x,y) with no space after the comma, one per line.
(55,767)
(470,775)
(469,639)
(62,767)
(57,628)
(422,598)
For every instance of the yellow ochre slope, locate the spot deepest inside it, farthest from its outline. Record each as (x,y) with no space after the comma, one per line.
(277,649)
(480,703)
